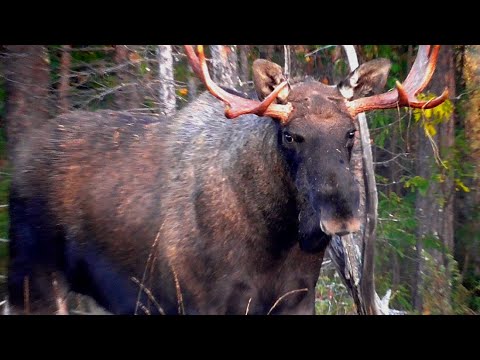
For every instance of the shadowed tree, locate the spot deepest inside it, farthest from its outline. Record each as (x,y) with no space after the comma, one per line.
(434,210)
(127,95)
(27,77)
(471,206)
(225,65)
(166,91)
(244,66)
(64,87)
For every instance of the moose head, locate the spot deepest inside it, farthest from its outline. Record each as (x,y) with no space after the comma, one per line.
(316,129)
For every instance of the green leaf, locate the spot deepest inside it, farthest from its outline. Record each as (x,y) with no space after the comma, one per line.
(418,183)
(431,242)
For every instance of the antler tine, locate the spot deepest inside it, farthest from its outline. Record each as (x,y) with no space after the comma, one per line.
(194,61)
(422,69)
(405,94)
(235,105)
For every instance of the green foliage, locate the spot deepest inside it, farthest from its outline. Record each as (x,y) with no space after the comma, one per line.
(182,71)
(467,239)
(397,223)
(332,297)
(463,168)
(379,122)
(396,238)
(443,291)
(395,54)
(341,67)
(464,300)
(417,183)
(452,160)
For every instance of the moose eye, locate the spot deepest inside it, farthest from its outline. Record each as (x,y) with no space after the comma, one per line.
(288,138)
(351,134)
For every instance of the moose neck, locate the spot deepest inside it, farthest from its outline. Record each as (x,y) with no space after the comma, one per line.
(236,166)
(263,185)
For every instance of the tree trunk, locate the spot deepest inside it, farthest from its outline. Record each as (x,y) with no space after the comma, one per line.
(269,50)
(471,77)
(166,92)
(472,117)
(435,210)
(64,87)
(354,254)
(244,66)
(27,76)
(127,95)
(225,68)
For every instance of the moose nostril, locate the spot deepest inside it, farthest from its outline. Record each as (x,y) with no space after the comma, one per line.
(342,233)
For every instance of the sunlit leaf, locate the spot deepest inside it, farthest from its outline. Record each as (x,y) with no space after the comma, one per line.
(461,185)
(430,129)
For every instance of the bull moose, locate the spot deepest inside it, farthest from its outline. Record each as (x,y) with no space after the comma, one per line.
(212,211)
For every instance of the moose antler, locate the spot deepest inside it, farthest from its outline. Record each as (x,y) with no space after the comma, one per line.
(236,105)
(404,95)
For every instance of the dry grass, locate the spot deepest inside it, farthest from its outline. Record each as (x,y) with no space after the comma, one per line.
(283,297)
(147,265)
(149,294)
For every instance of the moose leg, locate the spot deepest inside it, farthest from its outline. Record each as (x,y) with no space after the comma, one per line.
(36,297)
(32,286)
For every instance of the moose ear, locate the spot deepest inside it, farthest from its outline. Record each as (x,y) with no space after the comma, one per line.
(266,77)
(368,79)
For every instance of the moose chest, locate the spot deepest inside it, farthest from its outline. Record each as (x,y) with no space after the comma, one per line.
(244,282)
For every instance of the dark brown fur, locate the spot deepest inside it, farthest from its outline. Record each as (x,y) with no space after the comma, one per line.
(210,215)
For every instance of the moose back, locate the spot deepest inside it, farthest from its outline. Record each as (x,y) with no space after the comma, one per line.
(199,213)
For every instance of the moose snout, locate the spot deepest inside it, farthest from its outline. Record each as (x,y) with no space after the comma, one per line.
(340,227)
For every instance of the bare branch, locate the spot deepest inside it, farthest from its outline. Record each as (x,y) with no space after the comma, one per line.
(181,308)
(319,49)
(248,306)
(287,67)
(149,294)
(92,49)
(149,260)
(390,160)
(284,296)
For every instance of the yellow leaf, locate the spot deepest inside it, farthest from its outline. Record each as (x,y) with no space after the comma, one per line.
(428,113)
(183,91)
(430,129)
(417,115)
(461,185)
